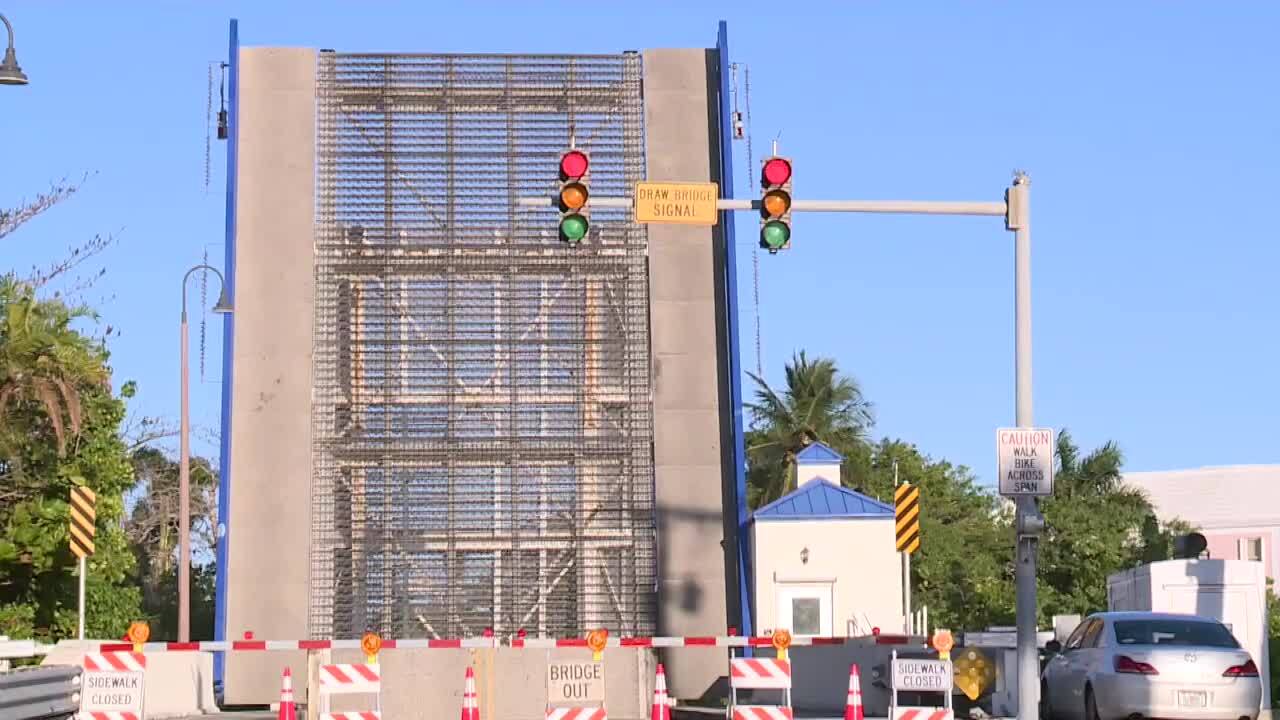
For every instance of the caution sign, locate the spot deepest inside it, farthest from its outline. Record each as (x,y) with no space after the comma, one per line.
(677,203)
(83,517)
(1025,461)
(575,682)
(974,673)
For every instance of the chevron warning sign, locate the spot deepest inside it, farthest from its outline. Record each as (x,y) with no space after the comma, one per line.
(83,516)
(906,511)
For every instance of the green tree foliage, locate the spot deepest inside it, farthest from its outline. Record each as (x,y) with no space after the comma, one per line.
(59,427)
(1097,526)
(817,404)
(152,528)
(964,569)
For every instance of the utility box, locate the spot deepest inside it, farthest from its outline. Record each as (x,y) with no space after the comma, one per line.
(1233,592)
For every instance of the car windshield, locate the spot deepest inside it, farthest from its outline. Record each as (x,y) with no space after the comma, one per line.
(1174,632)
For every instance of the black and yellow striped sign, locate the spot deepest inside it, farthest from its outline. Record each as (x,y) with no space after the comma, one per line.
(906,511)
(82,519)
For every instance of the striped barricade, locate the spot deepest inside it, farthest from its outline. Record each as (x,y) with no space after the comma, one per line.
(112,686)
(922,713)
(576,713)
(115,662)
(761,712)
(760,674)
(350,679)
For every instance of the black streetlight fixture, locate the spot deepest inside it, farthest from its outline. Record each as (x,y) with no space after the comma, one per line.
(10,73)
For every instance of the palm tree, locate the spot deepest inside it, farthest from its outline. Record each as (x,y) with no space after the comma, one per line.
(44,362)
(819,404)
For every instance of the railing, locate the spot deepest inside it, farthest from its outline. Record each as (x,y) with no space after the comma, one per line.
(40,692)
(19,649)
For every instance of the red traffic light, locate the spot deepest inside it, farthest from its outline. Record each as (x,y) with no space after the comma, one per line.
(573,164)
(776,171)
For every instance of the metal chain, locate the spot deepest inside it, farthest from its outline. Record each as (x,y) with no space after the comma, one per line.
(755,252)
(204,304)
(208,128)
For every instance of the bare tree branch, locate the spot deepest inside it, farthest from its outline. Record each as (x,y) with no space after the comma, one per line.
(11,220)
(77,255)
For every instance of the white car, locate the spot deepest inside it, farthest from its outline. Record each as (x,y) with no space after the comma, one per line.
(1130,665)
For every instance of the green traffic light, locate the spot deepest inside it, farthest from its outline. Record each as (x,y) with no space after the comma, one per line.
(775,234)
(573,228)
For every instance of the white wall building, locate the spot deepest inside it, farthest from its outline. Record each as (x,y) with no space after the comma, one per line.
(1236,508)
(825,562)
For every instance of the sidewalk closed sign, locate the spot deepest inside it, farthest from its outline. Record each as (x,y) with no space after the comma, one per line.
(573,682)
(118,693)
(922,675)
(1025,461)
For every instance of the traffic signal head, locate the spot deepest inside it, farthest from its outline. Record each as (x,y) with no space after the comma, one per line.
(775,204)
(574,165)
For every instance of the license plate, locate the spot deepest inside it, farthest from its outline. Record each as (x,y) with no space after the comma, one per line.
(1193,699)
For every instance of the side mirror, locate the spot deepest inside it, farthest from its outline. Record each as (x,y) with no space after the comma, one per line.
(1053,646)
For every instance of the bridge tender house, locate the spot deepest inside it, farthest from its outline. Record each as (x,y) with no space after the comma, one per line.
(678,203)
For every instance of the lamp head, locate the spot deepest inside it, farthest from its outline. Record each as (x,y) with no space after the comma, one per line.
(10,72)
(224,305)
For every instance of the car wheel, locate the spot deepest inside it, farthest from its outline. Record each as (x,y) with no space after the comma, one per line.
(1090,705)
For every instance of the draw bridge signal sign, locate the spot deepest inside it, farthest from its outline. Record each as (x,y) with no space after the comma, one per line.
(906,511)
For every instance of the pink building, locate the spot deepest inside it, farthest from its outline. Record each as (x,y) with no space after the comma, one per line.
(1236,508)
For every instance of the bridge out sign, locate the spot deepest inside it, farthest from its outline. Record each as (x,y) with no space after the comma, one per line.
(572,682)
(1025,461)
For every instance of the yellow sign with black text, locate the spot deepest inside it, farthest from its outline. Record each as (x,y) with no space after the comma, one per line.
(677,203)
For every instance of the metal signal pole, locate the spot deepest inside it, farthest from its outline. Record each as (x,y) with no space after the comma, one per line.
(1029,523)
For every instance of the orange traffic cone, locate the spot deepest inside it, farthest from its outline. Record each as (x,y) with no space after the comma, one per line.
(853,704)
(288,711)
(661,706)
(470,708)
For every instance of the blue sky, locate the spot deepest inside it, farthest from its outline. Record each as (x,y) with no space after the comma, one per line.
(1149,130)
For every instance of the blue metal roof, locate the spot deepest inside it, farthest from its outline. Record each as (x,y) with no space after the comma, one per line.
(818,454)
(818,499)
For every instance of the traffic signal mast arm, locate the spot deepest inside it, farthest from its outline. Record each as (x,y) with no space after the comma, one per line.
(892,207)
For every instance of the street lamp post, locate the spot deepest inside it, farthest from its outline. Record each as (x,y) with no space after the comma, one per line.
(10,72)
(184,466)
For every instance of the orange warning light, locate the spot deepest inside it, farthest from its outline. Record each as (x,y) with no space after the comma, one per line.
(781,639)
(139,633)
(370,644)
(596,640)
(943,642)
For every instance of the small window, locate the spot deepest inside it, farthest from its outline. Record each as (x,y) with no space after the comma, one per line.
(1250,549)
(806,616)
